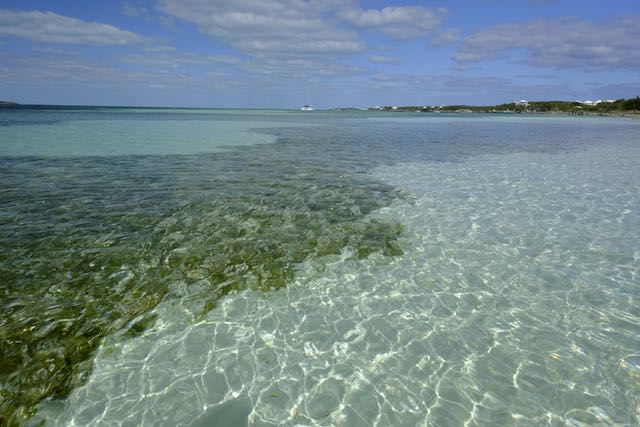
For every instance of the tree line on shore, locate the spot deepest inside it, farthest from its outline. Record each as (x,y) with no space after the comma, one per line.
(621,105)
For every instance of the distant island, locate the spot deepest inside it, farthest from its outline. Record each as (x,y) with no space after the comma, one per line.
(608,107)
(7,104)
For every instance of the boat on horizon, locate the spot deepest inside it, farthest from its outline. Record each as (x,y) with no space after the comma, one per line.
(306,108)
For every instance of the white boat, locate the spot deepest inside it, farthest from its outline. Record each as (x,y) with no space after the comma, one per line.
(307,106)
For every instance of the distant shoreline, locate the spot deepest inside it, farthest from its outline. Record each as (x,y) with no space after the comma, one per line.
(534,109)
(627,114)
(618,108)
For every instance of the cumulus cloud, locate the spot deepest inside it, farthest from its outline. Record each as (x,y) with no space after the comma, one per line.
(50,27)
(267,27)
(559,43)
(400,22)
(380,59)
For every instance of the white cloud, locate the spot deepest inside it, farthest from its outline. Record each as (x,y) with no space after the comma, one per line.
(159,48)
(470,87)
(133,10)
(49,27)
(290,69)
(400,22)
(299,39)
(173,60)
(288,28)
(616,90)
(559,43)
(380,59)
(55,68)
(446,37)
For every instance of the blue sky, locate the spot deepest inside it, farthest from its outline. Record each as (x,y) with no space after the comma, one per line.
(334,53)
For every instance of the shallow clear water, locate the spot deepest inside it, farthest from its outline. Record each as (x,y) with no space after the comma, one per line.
(387,269)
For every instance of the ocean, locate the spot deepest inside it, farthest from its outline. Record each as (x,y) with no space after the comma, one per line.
(268,267)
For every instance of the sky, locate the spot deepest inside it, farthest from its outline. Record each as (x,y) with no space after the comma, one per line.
(329,53)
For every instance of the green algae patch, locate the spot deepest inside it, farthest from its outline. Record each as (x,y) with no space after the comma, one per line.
(95,251)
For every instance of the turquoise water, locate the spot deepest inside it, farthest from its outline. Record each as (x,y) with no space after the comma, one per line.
(287,268)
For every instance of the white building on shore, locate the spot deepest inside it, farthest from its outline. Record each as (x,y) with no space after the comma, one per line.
(599,101)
